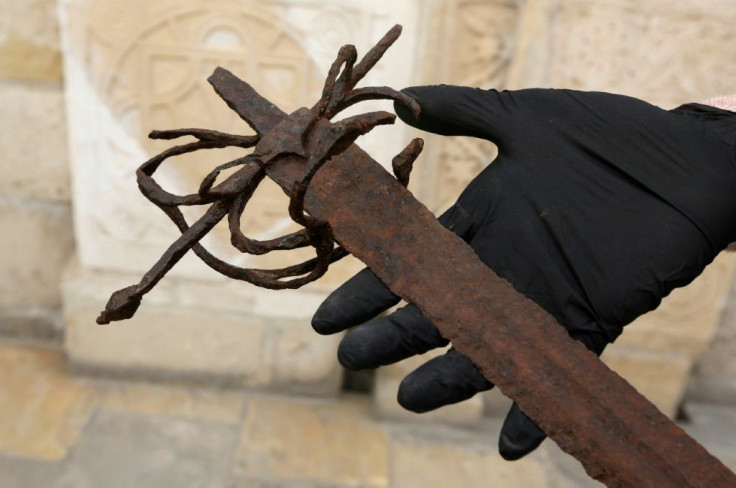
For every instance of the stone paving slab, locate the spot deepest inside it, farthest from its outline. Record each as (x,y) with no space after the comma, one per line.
(57,432)
(313,441)
(186,403)
(42,410)
(120,450)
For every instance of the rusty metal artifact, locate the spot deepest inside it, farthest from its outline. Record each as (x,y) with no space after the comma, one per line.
(589,411)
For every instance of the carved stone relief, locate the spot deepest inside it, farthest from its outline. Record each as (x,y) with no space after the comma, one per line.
(134,66)
(472,42)
(146,65)
(664,53)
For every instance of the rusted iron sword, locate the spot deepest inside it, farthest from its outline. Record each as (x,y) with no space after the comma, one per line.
(589,411)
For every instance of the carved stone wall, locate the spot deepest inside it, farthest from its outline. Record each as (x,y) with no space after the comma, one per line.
(35,209)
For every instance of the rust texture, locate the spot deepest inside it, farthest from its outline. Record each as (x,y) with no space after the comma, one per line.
(590,412)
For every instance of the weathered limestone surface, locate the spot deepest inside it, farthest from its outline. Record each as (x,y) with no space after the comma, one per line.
(33,137)
(37,240)
(42,411)
(313,441)
(191,404)
(171,338)
(121,450)
(35,217)
(134,66)
(57,433)
(714,378)
(29,41)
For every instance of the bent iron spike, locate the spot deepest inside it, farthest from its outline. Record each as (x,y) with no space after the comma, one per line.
(590,412)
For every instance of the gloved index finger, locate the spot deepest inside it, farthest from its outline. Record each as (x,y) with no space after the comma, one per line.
(358,300)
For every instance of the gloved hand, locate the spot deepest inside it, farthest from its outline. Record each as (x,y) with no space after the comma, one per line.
(560,214)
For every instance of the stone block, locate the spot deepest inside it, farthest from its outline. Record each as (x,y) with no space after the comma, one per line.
(121,450)
(335,443)
(714,376)
(167,344)
(34,20)
(183,330)
(37,241)
(33,139)
(266,484)
(21,59)
(386,387)
(120,77)
(610,58)
(304,362)
(42,411)
(659,376)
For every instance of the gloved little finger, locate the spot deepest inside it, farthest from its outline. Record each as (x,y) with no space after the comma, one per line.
(389,339)
(357,300)
(443,380)
(519,435)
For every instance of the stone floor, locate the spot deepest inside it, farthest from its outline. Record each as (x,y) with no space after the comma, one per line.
(62,432)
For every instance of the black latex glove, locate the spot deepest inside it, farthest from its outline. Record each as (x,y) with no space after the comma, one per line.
(589,210)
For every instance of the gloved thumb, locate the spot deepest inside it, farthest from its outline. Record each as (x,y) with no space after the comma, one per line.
(451,110)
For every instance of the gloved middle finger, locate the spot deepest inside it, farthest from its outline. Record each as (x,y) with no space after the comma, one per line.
(441,381)
(389,339)
(359,299)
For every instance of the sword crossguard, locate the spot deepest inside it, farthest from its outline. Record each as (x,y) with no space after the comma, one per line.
(303,135)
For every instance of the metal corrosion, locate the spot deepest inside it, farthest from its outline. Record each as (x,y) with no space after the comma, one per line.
(589,411)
